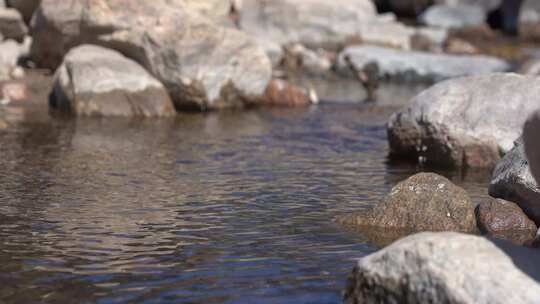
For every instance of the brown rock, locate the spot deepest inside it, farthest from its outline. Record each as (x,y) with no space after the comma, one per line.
(505,220)
(282,93)
(423,202)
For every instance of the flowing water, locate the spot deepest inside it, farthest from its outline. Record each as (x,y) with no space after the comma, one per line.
(233,207)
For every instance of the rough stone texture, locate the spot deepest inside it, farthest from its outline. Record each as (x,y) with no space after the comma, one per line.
(12,25)
(448,268)
(313,23)
(94,81)
(531,140)
(470,121)
(413,65)
(505,220)
(512,180)
(25,7)
(423,202)
(453,16)
(203,66)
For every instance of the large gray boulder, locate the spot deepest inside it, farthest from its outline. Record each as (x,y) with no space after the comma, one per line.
(470,121)
(446,268)
(203,66)
(94,81)
(313,23)
(512,180)
(423,202)
(25,7)
(414,65)
(453,16)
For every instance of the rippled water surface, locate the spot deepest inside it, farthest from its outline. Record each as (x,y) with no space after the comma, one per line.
(219,208)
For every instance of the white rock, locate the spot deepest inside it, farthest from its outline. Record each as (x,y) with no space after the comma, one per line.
(447,268)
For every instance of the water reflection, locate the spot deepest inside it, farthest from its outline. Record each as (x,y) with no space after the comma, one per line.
(216,208)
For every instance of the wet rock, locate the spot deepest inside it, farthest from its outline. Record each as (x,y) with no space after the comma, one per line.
(313,23)
(12,25)
(25,7)
(280,93)
(465,122)
(414,65)
(94,81)
(512,180)
(505,220)
(423,202)
(453,16)
(204,66)
(447,268)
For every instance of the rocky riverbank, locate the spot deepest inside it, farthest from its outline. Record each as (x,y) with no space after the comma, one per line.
(153,59)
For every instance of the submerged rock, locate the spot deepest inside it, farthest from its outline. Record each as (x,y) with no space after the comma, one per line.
(423,202)
(465,122)
(505,220)
(454,16)
(413,65)
(203,66)
(96,81)
(447,268)
(512,180)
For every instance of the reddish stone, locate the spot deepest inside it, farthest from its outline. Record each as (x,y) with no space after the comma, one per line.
(282,93)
